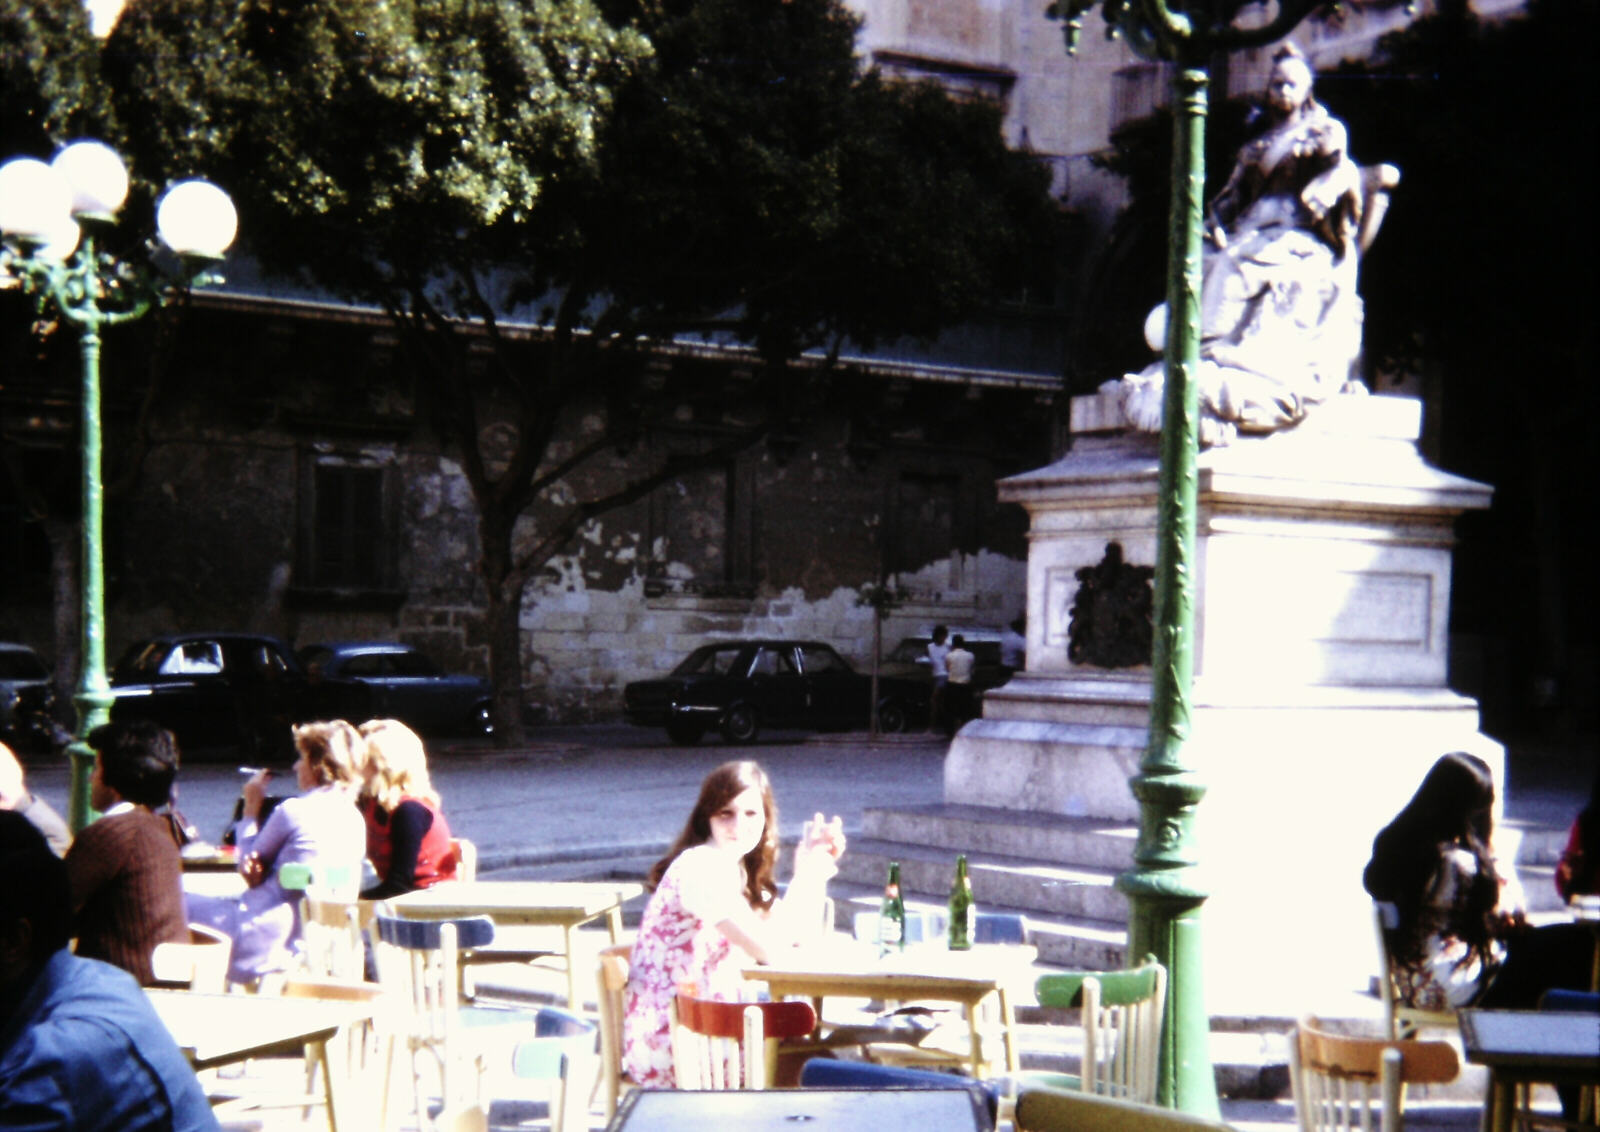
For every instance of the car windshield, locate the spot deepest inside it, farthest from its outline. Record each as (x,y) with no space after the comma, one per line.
(21,664)
(143,659)
(710,660)
(910,650)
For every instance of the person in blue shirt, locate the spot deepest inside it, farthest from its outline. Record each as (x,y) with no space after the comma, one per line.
(81,1049)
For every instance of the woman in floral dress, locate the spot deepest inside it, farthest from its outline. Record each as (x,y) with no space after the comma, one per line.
(714,909)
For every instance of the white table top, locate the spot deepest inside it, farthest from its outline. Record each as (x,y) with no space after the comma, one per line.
(219,1029)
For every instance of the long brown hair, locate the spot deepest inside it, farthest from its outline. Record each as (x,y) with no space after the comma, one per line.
(722,786)
(1450,810)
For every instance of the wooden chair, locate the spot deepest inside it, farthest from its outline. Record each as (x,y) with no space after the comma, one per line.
(1338,1080)
(561,1050)
(732,1045)
(417,962)
(611,977)
(335,944)
(466,854)
(1041,1108)
(1400,1020)
(1121,1013)
(199,965)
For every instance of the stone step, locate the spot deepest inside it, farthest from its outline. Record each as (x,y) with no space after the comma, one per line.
(1098,842)
(1013,882)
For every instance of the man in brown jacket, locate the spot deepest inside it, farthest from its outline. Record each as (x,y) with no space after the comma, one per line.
(124,870)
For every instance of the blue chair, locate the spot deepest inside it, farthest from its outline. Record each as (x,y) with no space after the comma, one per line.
(999,927)
(828,1073)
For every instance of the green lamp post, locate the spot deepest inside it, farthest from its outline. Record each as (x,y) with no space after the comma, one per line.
(49,214)
(1163,889)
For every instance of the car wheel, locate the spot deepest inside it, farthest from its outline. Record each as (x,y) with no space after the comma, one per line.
(891,718)
(740,724)
(685,732)
(483,720)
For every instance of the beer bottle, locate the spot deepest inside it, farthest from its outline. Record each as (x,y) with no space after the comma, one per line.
(963,912)
(892,916)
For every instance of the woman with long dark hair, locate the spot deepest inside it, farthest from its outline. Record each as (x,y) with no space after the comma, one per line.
(1454,926)
(714,908)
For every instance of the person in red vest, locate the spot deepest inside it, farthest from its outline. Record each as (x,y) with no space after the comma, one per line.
(408,839)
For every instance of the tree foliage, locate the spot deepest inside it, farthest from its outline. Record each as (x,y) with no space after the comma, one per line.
(623,172)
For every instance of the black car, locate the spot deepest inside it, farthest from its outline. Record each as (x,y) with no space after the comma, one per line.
(27,698)
(215,689)
(387,680)
(739,687)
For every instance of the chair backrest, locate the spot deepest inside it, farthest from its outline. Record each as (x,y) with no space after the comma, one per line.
(200,964)
(1121,1014)
(999,927)
(1399,1020)
(336,881)
(466,855)
(1338,1080)
(732,1045)
(1044,1109)
(334,942)
(611,977)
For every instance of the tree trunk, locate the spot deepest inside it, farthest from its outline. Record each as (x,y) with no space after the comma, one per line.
(503,622)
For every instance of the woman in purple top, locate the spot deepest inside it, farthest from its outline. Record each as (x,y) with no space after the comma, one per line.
(321,828)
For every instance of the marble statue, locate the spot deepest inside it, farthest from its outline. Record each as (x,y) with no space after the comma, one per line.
(1280,316)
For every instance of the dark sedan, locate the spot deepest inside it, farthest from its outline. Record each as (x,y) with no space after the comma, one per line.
(388,680)
(740,687)
(27,698)
(215,689)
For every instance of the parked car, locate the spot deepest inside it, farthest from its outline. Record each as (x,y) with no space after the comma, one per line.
(739,687)
(215,689)
(27,698)
(387,680)
(909,659)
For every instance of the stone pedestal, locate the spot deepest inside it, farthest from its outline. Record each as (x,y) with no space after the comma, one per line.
(1320,695)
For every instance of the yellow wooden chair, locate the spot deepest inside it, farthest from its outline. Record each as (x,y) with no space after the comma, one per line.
(611,976)
(1339,1081)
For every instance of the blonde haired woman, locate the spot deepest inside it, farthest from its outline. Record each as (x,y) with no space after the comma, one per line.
(320,827)
(408,840)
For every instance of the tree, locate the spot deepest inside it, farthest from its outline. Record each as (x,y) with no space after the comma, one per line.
(628,176)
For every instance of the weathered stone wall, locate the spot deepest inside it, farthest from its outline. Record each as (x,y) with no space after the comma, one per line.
(212,531)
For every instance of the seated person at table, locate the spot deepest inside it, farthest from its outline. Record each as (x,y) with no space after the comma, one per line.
(1578,871)
(1456,935)
(714,909)
(80,1046)
(14,795)
(408,840)
(124,870)
(321,828)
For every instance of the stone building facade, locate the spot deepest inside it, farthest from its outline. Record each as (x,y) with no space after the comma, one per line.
(282,476)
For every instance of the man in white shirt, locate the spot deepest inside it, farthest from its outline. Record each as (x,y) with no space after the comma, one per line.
(959,663)
(938,651)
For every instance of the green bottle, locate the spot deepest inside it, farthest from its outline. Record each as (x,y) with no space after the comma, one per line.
(892,916)
(963,912)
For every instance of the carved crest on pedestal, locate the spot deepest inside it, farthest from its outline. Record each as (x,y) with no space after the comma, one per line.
(1111,621)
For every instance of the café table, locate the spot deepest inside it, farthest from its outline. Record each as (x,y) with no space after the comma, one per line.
(567,905)
(225,1029)
(1529,1047)
(848,968)
(201,858)
(782,1110)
